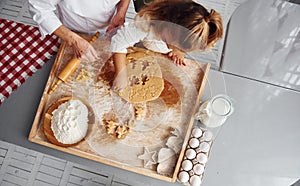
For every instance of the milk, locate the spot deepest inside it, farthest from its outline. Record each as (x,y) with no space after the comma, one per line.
(220,106)
(215,111)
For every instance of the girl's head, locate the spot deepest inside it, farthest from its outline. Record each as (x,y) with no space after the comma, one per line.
(186,21)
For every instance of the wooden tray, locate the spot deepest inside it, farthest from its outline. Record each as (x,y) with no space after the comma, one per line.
(174,109)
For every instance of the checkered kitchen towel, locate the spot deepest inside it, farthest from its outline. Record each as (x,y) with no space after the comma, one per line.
(22,52)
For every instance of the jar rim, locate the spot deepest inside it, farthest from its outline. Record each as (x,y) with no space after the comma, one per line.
(227,99)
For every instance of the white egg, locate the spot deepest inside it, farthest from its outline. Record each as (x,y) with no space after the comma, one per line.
(207,136)
(195,180)
(198,169)
(194,142)
(202,158)
(190,154)
(183,177)
(197,132)
(187,165)
(204,147)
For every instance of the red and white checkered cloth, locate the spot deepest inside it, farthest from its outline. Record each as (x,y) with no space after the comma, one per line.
(22,52)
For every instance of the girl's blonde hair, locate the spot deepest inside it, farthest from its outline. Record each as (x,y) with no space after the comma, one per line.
(202,25)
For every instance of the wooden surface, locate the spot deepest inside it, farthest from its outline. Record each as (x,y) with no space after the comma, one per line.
(181,95)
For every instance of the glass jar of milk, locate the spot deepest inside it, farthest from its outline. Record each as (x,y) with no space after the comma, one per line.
(214,112)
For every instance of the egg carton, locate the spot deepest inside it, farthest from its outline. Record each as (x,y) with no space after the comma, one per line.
(195,157)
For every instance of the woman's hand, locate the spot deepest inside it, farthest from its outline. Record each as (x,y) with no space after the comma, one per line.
(90,54)
(82,48)
(119,18)
(117,21)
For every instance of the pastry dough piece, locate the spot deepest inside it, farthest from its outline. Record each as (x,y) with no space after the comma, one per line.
(121,131)
(145,82)
(116,130)
(110,127)
(139,112)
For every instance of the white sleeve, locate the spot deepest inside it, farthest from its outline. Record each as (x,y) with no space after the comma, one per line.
(126,36)
(42,12)
(157,46)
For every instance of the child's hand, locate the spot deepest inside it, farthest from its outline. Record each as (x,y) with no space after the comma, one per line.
(120,81)
(177,57)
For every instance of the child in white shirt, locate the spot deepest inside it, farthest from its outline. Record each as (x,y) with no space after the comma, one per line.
(171,27)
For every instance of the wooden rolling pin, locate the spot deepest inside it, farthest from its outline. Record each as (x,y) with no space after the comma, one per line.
(70,68)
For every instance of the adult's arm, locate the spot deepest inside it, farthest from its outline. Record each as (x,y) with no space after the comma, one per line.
(80,46)
(119,18)
(43,13)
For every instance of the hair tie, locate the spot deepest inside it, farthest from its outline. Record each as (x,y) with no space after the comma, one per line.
(206,19)
(211,13)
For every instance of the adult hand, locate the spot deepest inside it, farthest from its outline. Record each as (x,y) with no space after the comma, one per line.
(119,17)
(90,54)
(117,21)
(81,47)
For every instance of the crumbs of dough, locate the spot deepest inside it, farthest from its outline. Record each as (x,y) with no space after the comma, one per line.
(139,112)
(118,131)
(83,75)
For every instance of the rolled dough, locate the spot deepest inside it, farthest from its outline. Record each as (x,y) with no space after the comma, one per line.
(145,82)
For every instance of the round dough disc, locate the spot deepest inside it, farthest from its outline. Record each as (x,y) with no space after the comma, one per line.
(145,82)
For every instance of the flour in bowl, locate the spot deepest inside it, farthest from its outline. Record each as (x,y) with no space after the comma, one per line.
(69,122)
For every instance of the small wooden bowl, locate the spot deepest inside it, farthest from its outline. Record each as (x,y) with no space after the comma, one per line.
(47,123)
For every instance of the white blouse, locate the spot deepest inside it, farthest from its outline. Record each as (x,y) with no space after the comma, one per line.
(86,16)
(130,34)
